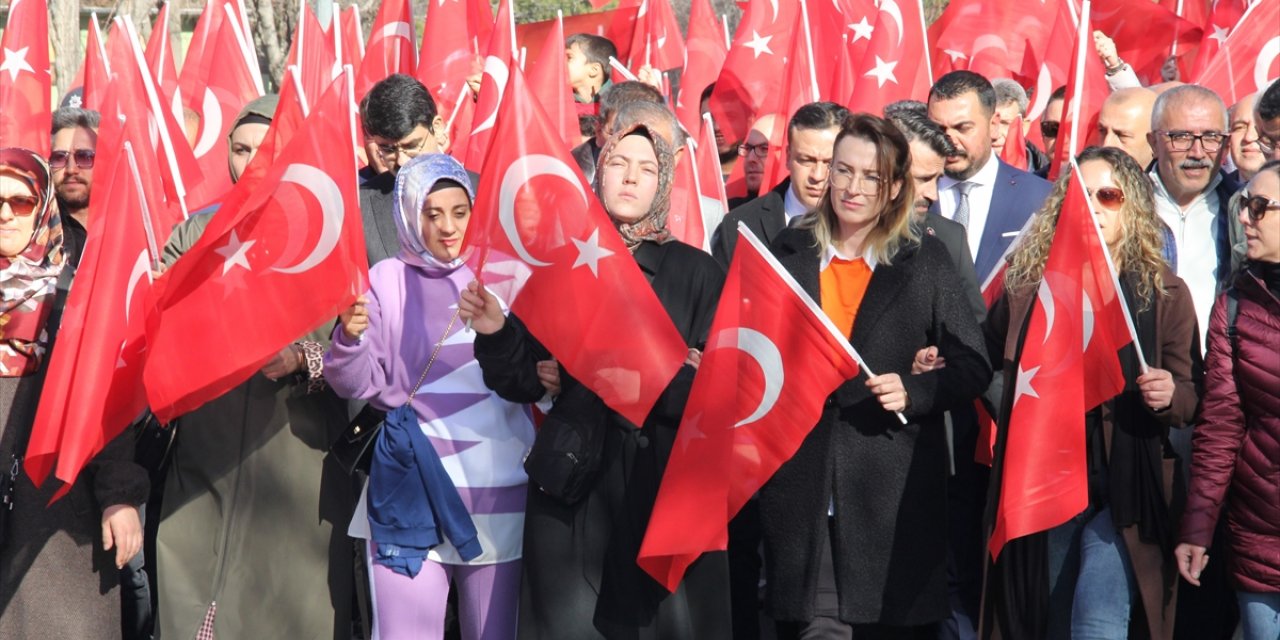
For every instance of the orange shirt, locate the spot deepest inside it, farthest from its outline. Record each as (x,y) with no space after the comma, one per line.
(843,283)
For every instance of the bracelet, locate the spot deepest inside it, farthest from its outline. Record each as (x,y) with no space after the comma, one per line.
(1111,71)
(313,356)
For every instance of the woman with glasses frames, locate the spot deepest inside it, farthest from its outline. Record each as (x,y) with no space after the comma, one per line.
(854,524)
(1111,562)
(59,560)
(1236,444)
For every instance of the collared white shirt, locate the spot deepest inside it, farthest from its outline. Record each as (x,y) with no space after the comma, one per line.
(792,206)
(1195,233)
(979,200)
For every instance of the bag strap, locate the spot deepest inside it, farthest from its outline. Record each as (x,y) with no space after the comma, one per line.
(1233,314)
(434,353)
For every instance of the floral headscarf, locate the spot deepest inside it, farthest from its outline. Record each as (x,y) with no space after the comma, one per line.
(414,182)
(28,281)
(653,226)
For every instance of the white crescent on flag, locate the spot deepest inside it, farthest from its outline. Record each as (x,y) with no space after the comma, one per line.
(524,169)
(332,209)
(211,124)
(761,349)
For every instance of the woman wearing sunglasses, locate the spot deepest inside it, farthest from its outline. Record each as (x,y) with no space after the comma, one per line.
(1236,445)
(1110,564)
(58,561)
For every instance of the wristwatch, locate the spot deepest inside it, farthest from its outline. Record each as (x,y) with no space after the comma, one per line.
(1111,71)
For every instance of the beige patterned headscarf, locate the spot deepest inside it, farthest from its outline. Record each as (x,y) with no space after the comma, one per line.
(653,226)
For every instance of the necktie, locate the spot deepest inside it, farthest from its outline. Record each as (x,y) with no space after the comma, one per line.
(962,204)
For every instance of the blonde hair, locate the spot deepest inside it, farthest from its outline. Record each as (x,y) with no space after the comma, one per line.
(1139,253)
(893,229)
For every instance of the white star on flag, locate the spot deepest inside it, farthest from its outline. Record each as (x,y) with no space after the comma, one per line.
(1023,387)
(235,253)
(590,253)
(757,44)
(862,29)
(1220,34)
(955,55)
(15,62)
(883,72)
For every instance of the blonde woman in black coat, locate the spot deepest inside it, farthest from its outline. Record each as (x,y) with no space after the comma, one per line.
(855,523)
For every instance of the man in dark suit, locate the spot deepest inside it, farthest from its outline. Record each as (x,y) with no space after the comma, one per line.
(400,118)
(990,198)
(811,138)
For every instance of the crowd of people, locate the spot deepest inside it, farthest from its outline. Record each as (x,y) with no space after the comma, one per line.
(877,527)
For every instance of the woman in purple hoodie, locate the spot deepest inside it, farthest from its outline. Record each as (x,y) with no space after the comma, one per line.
(379,353)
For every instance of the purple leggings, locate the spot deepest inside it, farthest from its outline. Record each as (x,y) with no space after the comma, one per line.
(405,607)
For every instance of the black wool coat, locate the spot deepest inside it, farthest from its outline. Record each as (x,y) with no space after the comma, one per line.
(887,481)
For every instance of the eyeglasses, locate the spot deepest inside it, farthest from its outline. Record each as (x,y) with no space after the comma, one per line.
(758,150)
(83,158)
(1109,197)
(21,206)
(842,178)
(1257,206)
(1211,141)
(388,151)
(1049,129)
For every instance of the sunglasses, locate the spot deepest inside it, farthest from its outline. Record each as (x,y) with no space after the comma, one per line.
(1258,206)
(82,157)
(21,206)
(1109,197)
(1049,129)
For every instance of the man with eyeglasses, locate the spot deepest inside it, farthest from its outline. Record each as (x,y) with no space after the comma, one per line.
(754,152)
(74,149)
(1192,193)
(1049,122)
(400,119)
(811,138)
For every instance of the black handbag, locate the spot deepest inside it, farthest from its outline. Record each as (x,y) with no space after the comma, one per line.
(565,457)
(353,449)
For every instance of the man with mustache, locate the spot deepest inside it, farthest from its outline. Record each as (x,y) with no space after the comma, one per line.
(73,151)
(1189,137)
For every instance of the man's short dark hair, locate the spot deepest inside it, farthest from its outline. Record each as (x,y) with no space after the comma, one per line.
(1268,107)
(957,83)
(917,126)
(622,93)
(395,106)
(71,117)
(817,115)
(894,109)
(594,48)
(1059,94)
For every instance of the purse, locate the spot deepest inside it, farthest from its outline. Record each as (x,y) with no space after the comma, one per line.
(565,457)
(353,449)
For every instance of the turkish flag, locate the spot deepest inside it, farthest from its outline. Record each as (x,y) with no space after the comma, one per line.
(159,56)
(706,55)
(893,66)
(390,49)
(549,79)
(1069,364)
(286,250)
(313,55)
(990,37)
(349,39)
(656,40)
(772,360)
(751,81)
(289,117)
(1134,25)
(25,116)
(1249,59)
(447,51)
(96,73)
(800,87)
(498,63)
(1086,91)
(711,192)
(543,242)
(94,385)
(1223,18)
(1014,151)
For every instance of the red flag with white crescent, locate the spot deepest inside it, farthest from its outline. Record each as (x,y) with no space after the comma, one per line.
(390,48)
(498,63)
(1249,60)
(286,250)
(25,110)
(772,359)
(751,81)
(543,243)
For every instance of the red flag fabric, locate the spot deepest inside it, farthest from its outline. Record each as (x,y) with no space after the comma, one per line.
(706,54)
(159,56)
(892,67)
(1059,377)
(286,250)
(1223,18)
(549,79)
(352,37)
(771,361)
(1134,25)
(657,39)
(94,385)
(96,72)
(498,63)
(313,55)
(990,36)
(685,218)
(751,81)
(1014,151)
(25,115)
(800,87)
(1086,91)
(390,48)
(1249,59)
(711,191)
(448,49)
(535,221)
